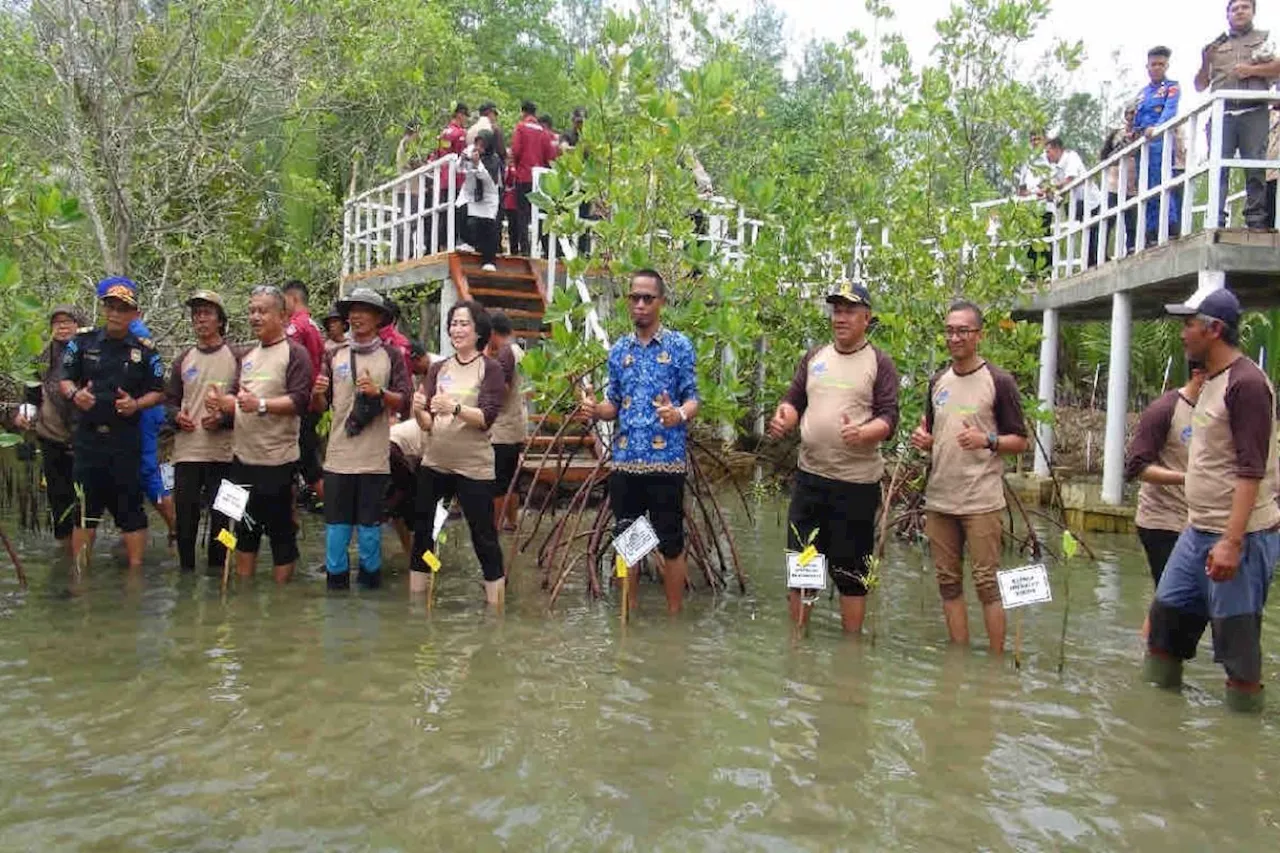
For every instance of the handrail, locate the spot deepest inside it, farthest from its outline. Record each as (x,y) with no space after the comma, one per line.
(390,223)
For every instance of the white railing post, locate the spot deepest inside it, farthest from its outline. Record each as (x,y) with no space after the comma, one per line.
(448,299)
(535,227)
(451,222)
(347,237)
(1166,175)
(1213,216)
(435,207)
(420,245)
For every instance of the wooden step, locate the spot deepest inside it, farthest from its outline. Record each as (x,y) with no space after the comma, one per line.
(575,472)
(530,334)
(521,278)
(541,442)
(498,293)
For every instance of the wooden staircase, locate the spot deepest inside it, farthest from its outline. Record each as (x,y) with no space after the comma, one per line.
(516,288)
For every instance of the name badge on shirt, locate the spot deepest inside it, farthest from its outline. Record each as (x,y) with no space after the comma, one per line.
(627,360)
(664,357)
(135,355)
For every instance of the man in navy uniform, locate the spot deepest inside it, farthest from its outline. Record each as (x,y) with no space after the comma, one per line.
(1157,103)
(111,376)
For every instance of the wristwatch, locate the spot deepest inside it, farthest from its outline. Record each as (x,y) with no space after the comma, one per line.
(457,407)
(993,439)
(262,406)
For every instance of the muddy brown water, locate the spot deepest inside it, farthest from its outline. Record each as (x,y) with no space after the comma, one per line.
(155,715)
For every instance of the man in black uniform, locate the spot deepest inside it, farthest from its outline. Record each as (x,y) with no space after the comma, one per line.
(110,376)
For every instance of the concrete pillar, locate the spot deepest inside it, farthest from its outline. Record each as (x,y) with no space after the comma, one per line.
(448,298)
(1117,399)
(729,367)
(1048,378)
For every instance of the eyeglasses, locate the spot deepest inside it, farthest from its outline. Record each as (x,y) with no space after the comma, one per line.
(642,298)
(959,331)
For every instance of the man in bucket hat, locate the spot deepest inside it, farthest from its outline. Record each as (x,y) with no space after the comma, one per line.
(362,380)
(111,376)
(844,397)
(202,443)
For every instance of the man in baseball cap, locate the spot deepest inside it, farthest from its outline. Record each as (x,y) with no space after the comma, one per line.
(1221,567)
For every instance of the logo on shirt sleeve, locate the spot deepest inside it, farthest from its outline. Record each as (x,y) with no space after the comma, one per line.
(342,371)
(940,399)
(1185,435)
(190,373)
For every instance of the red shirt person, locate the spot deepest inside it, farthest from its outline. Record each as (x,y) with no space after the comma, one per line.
(302,330)
(531,148)
(453,139)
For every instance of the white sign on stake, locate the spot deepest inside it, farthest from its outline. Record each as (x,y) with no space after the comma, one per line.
(231,500)
(1023,586)
(166,476)
(635,543)
(809,575)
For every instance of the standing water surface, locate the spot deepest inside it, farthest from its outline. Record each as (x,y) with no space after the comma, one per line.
(157,716)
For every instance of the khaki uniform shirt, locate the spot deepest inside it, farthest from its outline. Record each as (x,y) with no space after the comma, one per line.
(512,424)
(1226,53)
(455,447)
(268,371)
(1232,437)
(1162,437)
(194,373)
(366,452)
(829,386)
(970,482)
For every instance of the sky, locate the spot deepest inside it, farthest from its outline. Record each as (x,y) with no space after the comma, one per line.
(1105,26)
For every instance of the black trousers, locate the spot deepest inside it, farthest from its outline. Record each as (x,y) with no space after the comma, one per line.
(309,449)
(484,233)
(56,462)
(270,510)
(1158,544)
(1247,133)
(476,497)
(194,486)
(524,213)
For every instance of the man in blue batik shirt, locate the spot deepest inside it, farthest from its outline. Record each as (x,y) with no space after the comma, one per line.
(1157,103)
(653,394)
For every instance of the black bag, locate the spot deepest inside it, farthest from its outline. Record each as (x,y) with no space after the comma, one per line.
(364,410)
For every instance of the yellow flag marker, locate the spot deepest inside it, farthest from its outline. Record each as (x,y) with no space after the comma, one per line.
(432,561)
(227,538)
(806,555)
(621,565)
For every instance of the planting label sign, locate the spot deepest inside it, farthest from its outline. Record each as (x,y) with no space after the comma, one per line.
(1023,586)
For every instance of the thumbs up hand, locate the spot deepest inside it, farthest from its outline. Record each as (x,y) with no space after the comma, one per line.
(84,397)
(850,433)
(586,405)
(126,406)
(668,415)
(972,438)
(367,386)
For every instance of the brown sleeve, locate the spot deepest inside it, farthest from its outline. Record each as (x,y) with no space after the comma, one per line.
(884,394)
(173,388)
(1150,435)
(433,375)
(297,377)
(507,361)
(1251,413)
(1008,404)
(492,391)
(798,391)
(233,387)
(399,380)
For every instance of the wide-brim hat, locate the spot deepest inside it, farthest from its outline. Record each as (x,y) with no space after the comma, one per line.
(208,297)
(70,310)
(850,293)
(363,296)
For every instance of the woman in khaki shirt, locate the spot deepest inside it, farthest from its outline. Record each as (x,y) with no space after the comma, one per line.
(457,404)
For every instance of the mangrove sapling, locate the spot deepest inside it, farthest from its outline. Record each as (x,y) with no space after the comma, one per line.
(1069,547)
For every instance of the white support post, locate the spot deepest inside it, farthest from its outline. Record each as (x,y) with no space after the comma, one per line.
(1117,399)
(1048,377)
(451,223)
(435,211)
(348,235)
(729,366)
(448,298)
(420,245)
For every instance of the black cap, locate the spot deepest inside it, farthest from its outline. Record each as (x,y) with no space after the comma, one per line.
(461,108)
(1219,304)
(853,294)
(1160,50)
(488,106)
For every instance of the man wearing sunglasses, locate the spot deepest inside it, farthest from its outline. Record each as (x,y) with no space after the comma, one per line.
(653,394)
(844,396)
(1222,565)
(973,414)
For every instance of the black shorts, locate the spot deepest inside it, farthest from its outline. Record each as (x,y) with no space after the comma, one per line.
(354,498)
(270,510)
(506,466)
(1159,545)
(661,496)
(111,484)
(844,514)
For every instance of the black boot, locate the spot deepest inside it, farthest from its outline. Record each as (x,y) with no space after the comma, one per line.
(368,580)
(339,581)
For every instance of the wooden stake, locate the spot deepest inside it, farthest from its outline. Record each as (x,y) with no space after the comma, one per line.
(1017,640)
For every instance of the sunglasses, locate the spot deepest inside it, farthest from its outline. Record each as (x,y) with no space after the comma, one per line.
(642,298)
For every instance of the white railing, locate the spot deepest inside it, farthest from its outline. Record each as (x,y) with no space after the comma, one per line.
(1080,236)
(390,224)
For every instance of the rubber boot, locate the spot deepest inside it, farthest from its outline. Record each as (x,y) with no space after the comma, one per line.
(368,580)
(1162,671)
(339,580)
(1244,701)
(369,546)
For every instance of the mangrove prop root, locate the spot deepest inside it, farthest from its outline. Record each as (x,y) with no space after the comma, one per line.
(1032,540)
(733,545)
(716,458)
(17,561)
(1057,496)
